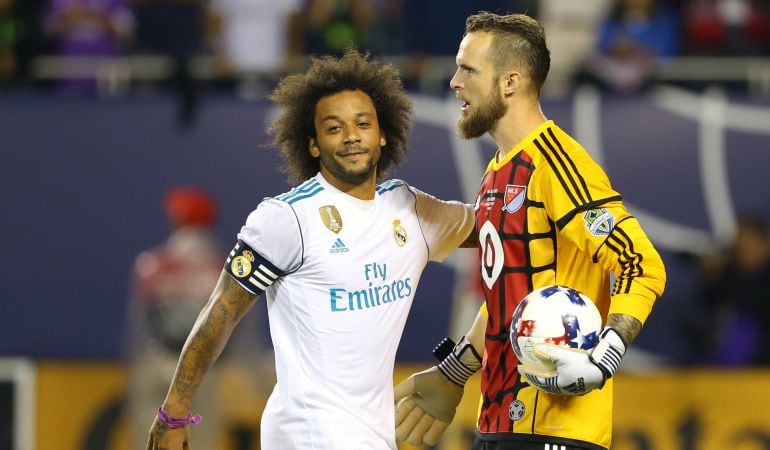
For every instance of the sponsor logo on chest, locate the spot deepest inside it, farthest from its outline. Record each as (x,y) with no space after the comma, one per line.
(375,288)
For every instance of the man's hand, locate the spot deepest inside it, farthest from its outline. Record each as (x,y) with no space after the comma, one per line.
(164,438)
(425,406)
(577,372)
(426,402)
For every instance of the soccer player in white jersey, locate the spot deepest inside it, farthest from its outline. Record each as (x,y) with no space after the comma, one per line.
(338,259)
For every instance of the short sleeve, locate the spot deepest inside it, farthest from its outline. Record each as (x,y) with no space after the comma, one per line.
(273,230)
(269,246)
(445,224)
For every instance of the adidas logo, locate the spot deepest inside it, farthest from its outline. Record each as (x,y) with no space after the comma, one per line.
(339,247)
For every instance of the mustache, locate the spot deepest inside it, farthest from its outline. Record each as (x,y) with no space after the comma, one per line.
(351,150)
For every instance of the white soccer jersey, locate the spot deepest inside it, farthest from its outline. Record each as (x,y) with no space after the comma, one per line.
(340,275)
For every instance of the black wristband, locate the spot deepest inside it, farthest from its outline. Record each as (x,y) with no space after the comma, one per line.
(461,363)
(443,349)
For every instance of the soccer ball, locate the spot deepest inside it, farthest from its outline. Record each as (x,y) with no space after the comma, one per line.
(555,315)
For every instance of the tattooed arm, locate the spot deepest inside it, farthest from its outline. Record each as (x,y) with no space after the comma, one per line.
(628,327)
(227,305)
(578,373)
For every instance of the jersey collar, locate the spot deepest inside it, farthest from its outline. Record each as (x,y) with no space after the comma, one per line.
(500,160)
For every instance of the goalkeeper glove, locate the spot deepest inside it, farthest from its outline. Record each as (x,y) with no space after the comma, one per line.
(426,401)
(577,372)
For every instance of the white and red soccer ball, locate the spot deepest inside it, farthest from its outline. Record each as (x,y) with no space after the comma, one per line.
(555,315)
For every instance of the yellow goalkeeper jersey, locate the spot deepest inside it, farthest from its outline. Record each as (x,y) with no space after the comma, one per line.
(547,214)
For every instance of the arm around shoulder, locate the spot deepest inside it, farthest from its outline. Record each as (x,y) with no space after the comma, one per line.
(447,225)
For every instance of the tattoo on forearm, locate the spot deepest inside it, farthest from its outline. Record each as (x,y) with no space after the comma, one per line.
(627,327)
(227,305)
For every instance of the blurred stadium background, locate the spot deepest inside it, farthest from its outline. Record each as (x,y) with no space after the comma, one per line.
(105,105)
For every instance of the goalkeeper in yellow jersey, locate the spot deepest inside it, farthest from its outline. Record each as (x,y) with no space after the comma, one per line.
(546,214)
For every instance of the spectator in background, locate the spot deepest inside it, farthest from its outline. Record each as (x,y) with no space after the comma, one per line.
(87,28)
(332,25)
(423,40)
(631,39)
(10,30)
(386,33)
(734,292)
(172,282)
(726,27)
(256,40)
(174,28)
(29,41)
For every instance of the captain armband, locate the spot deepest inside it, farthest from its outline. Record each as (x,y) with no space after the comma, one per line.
(252,271)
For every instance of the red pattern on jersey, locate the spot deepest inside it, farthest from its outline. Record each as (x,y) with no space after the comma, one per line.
(499,381)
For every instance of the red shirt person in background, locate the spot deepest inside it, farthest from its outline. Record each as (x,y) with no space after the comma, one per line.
(172,282)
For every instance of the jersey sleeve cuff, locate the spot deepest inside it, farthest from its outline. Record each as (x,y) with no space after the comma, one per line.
(634,305)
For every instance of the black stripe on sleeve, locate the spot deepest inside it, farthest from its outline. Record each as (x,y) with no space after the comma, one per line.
(635,258)
(564,220)
(250,269)
(561,163)
(572,164)
(620,243)
(556,171)
(595,256)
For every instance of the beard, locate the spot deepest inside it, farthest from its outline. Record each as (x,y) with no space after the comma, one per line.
(484,118)
(350,176)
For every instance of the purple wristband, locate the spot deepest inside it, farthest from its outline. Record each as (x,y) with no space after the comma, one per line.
(178,422)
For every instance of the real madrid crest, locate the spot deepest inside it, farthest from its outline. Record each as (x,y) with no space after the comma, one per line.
(241,264)
(399,233)
(331,217)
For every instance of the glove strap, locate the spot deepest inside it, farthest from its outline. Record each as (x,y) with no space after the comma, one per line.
(443,349)
(608,352)
(461,363)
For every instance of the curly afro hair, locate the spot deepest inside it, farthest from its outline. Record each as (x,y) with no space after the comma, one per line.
(298,95)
